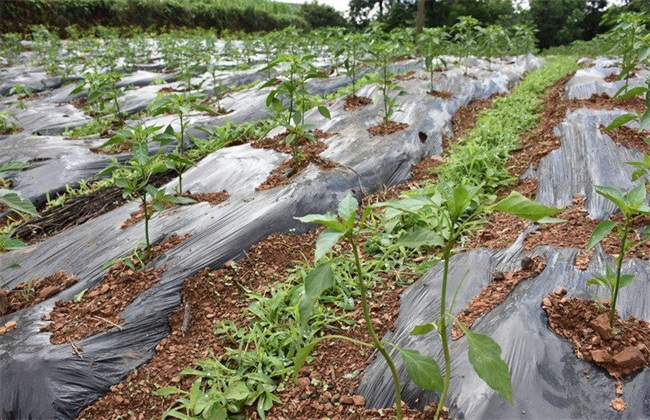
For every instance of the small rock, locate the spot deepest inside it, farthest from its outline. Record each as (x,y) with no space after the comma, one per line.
(359,400)
(230,264)
(600,356)
(629,357)
(595,340)
(546,302)
(118,399)
(48,292)
(347,400)
(4,302)
(618,404)
(303,382)
(601,325)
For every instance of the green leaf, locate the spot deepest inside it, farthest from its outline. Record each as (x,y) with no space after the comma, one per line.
(324,112)
(163,392)
(13,166)
(422,369)
(237,391)
(347,210)
(619,121)
(8,244)
(16,202)
(602,230)
(639,90)
(77,298)
(518,205)
(645,121)
(485,356)
(328,219)
(423,329)
(420,237)
(318,280)
(303,354)
(178,200)
(625,280)
(613,195)
(326,241)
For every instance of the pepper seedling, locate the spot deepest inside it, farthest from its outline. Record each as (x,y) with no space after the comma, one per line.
(441,219)
(421,368)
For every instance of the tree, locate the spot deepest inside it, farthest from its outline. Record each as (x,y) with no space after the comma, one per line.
(561,22)
(487,12)
(321,16)
(419,22)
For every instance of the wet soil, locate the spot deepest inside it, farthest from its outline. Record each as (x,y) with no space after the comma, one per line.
(99,307)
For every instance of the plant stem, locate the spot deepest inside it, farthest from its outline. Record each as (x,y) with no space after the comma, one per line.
(619,263)
(182,139)
(371,331)
(146,223)
(443,329)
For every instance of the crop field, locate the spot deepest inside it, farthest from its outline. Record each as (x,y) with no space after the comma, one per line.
(324,224)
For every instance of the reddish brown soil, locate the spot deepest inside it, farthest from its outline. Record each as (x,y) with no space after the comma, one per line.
(9,326)
(495,292)
(574,232)
(115,149)
(11,130)
(443,94)
(79,103)
(404,76)
(212,198)
(213,296)
(354,102)
(464,119)
(585,324)
(629,138)
(32,292)
(288,170)
(385,129)
(100,306)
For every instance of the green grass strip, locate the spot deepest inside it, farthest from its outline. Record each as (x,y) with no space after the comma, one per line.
(482,156)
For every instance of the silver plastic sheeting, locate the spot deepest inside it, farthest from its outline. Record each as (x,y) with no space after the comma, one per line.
(65,383)
(547,379)
(591,81)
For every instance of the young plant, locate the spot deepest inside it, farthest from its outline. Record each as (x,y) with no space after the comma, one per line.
(181,105)
(102,94)
(465,37)
(22,91)
(422,369)
(633,207)
(8,122)
(352,51)
(381,54)
(134,175)
(431,43)
(440,218)
(15,203)
(290,101)
(494,41)
(630,39)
